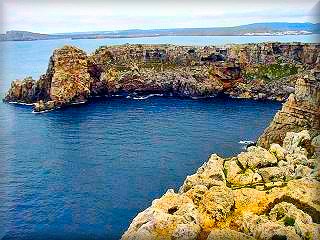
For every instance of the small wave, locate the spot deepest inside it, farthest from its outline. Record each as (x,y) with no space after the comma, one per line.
(116,95)
(77,103)
(196,98)
(19,103)
(45,111)
(147,96)
(140,98)
(246,142)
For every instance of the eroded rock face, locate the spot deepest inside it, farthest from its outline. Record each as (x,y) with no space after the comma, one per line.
(66,81)
(173,216)
(256,71)
(210,174)
(71,80)
(301,111)
(259,194)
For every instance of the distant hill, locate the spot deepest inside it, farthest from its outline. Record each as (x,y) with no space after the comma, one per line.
(24,36)
(272,28)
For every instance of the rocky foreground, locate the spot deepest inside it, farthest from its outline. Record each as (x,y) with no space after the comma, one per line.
(257,71)
(263,193)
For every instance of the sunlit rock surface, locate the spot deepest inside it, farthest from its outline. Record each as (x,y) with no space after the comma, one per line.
(259,194)
(301,111)
(256,71)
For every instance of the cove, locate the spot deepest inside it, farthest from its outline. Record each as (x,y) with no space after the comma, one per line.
(85,171)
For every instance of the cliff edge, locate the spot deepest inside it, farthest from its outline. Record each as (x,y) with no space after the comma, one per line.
(301,111)
(262,193)
(256,71)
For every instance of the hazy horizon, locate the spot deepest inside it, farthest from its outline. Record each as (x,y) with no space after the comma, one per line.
(70,16)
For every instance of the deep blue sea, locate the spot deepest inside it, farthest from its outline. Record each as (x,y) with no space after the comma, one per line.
(85,171)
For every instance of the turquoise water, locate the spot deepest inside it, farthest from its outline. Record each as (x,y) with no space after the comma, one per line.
(86,171)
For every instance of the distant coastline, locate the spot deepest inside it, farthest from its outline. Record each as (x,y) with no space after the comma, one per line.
(255,29)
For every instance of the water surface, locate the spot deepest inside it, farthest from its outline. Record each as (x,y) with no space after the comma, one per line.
(88,170)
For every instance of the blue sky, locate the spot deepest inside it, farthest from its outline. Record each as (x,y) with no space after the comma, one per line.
(76,16)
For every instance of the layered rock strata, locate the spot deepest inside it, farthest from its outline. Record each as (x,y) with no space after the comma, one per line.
(257,71)
(259,194)
(301,111)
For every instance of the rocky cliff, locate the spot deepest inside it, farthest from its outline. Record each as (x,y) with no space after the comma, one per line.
(257,71)
(258,194)
(262,193)
(301,111)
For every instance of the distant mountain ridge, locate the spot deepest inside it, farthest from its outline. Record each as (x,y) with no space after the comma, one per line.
(272,28)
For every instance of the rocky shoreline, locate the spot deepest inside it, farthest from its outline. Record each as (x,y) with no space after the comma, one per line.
(255,71)
(269,192)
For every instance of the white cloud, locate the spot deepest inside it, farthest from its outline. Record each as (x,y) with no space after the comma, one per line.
(70,16)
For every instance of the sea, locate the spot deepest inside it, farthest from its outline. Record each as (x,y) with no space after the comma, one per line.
(85,171)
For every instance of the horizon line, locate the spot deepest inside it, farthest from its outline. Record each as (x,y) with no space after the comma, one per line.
(150,29)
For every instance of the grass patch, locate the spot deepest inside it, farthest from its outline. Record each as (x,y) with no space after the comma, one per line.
(288,221)
(271,72)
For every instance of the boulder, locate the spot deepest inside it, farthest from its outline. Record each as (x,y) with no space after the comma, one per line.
(288,214)
(302,171)
(215,206)
(275,174)
(173,216)
(209,174)
(261,227)
(256,157)
(278,151)
(239,177)
(293,140)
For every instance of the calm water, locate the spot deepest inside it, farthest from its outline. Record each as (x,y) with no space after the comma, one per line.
(86,171)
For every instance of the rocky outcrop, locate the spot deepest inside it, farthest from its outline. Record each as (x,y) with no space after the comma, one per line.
(268,192)
(257,71)
(259,194)
(66,81)
(301,111)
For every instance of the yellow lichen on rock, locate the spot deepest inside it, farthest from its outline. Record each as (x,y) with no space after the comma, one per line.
(282,202)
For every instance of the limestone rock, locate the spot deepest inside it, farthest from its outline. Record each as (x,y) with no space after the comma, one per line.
(256,157)
(22,91)
(288,214)
(238,177)
(278,151)
(300,112)
(293,140)
(227,234)
(247,71)
(286,206)
(42,106)
(316,144)
(215,206)
(209,174)
(297,159)
(274,174)
(261,227)
(173,216)
(70,80)
(302,171)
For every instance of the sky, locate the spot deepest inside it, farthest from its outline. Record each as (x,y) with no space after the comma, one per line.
(48,16)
